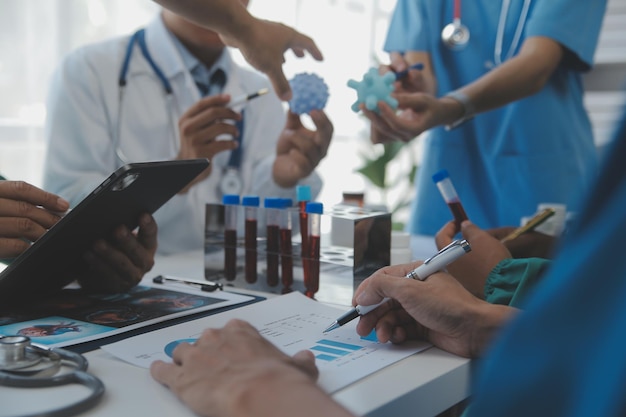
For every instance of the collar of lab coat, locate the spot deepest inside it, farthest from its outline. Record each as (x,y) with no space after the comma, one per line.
(166,55)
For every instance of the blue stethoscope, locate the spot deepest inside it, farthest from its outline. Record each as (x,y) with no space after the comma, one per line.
(230,182)
(456,35)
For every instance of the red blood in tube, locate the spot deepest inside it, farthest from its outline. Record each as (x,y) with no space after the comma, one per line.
(250,245)
(458,212)
(286,259)
(272,250)
(312,267)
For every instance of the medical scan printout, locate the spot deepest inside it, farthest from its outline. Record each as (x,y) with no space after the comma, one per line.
(292,322)
(71,316)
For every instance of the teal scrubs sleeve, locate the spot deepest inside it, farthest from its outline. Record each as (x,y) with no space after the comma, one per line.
(512,279)
(408,28)
(575,25)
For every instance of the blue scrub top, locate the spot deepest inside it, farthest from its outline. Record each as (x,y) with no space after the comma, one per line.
(505,162)
(564,354)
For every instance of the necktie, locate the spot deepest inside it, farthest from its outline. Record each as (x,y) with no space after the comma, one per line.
(215,85)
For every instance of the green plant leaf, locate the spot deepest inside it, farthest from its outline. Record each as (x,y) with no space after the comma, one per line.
(374,170)
(391,150)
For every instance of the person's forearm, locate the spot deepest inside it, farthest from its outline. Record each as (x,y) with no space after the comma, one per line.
(490,318)
(223,16)
(523,75)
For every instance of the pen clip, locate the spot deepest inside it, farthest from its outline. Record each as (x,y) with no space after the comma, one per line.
(456,243)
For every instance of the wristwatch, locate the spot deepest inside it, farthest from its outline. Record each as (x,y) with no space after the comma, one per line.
(468,108)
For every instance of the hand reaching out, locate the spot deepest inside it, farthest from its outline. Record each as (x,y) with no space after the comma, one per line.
(299,150)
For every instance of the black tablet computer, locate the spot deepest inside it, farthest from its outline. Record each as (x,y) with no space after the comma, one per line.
(55,259)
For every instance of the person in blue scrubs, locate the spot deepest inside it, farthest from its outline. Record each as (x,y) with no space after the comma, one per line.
(504,114)
(561,355)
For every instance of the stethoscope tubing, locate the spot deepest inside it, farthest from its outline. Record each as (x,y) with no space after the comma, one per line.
(78,376)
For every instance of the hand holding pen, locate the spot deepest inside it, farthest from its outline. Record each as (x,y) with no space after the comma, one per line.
(402,74)
(431,265)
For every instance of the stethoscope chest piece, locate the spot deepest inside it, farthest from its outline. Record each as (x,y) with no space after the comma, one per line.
(231,182)
(455,35)
(14,354)
(24,365)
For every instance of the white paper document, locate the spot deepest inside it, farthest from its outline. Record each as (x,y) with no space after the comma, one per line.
(291,322)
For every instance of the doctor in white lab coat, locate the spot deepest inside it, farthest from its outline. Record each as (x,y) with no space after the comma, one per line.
(92,129)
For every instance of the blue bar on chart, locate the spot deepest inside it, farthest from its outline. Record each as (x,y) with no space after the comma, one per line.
(332,350)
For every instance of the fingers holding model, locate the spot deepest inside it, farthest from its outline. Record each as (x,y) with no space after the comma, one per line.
(299,150)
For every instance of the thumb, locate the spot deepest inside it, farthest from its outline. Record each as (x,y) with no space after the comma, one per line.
(293,121)
(470,231)
(305,361)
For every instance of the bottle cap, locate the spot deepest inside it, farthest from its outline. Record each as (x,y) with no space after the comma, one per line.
(272,202)
(286,202)
(250,201)
(440,175)
(314,207)
(230,199)
(303,193)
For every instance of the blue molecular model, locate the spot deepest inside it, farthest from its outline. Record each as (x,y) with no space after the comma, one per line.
(374,88)
(310,92)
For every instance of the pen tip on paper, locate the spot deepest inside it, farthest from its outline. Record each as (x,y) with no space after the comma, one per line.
(331,327)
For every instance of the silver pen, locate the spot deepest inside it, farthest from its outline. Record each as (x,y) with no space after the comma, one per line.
(435,263)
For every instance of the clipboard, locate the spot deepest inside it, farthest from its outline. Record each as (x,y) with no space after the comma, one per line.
(55,259)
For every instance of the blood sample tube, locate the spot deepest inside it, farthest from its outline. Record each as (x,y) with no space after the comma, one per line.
(272,248)
(251,207)
(286,252)
(312,266)
(303,196)
(231,206)
(448,192)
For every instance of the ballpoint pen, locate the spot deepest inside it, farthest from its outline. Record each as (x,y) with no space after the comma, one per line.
(530,225)
(401,74)
(435,263)
(208,286)
(236,101)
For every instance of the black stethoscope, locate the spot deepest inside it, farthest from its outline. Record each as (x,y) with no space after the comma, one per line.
(24,365)
(456,35)
(231,181)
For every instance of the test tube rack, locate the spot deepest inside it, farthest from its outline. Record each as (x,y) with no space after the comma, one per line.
(343,264)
